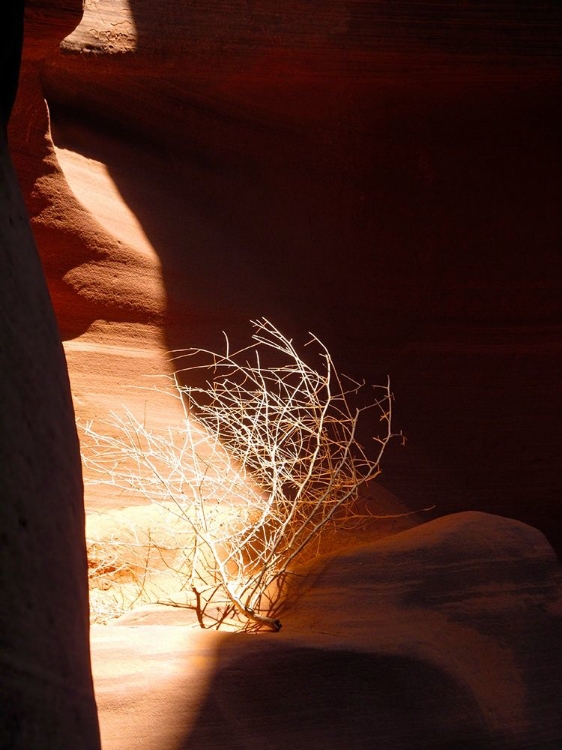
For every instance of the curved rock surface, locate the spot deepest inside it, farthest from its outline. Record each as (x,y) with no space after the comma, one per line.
(385,175)
(46,692)
(447,635)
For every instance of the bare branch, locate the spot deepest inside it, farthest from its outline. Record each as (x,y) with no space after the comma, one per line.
(265,457)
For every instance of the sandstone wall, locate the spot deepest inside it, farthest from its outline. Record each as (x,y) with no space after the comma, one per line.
(384,174)
(46,689)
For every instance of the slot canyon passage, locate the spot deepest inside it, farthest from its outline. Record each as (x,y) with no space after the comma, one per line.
(385,175)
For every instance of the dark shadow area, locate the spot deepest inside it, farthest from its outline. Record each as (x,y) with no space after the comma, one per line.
(46,692)
(11,40)
(270,695)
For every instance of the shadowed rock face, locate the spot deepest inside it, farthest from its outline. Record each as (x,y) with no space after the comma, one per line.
(45,682)
(385,175)
(443,636)
(387,179)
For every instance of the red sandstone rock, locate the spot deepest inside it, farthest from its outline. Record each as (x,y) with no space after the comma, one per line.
(385,175)
(46,692)
(446,635)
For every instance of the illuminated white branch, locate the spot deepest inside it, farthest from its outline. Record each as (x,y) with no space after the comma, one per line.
(266,455)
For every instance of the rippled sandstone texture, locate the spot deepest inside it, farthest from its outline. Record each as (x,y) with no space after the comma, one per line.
(386,175)
(389,180)
(443,636)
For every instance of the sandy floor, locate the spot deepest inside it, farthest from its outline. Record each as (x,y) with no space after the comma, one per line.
(446,635)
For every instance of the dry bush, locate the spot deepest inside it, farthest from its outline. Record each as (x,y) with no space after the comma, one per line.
(132,556)
(265,457)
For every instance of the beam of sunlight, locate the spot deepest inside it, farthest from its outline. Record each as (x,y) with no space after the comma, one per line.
(152,682)
(93,186)
(107,28)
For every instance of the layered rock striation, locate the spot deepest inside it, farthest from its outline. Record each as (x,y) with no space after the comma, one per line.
(384,175)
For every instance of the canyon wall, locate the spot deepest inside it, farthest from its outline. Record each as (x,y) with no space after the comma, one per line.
(46,690)
(386,175)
